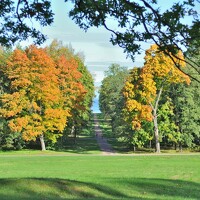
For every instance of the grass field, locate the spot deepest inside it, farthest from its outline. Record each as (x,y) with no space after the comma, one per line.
(54,176)
(78,171)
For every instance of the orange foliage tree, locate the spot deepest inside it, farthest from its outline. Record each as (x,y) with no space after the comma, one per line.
(35,104)
(76,84)
(144,87)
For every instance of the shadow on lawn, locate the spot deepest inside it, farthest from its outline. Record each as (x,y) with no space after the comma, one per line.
(53,189)
(44,188)
(162,188)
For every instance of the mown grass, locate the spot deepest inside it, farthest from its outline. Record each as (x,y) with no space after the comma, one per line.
(99,177)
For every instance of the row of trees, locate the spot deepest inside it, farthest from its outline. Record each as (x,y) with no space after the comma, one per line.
(157,101)
(45,92)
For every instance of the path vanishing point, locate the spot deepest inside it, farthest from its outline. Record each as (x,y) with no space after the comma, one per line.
(102,141)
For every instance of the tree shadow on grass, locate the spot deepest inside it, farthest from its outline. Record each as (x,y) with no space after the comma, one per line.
(54,189)
(162,188)
(139,188)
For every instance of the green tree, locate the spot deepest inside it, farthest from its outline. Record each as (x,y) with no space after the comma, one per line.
(110,92)
(143,21)
(164,27)
(15,16)
(186,100)
(169,131)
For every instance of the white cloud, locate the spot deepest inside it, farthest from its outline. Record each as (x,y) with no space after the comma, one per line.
(98,76)
(95,43)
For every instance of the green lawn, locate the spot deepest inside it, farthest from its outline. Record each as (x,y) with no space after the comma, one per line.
(56,177)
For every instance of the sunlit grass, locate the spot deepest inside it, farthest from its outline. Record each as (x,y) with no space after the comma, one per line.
(99,177)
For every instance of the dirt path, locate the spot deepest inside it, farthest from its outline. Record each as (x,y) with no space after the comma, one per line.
(102,141)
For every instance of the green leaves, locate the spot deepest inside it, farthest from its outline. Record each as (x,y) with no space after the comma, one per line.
(142,21)
(14,17)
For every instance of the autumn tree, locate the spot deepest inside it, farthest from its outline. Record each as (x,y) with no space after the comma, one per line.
(7,140)
(145,86)
(34,105)
(76,82)
(82,113)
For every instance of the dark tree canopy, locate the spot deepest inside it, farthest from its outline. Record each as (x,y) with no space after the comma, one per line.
(18,18)
(144,21)
(136,22)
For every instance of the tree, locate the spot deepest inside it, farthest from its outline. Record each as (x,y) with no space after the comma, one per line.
(43,91)
(82,112)
(15,16)
(166,28)
(34,104)
(145,86)
(110,91)
(77,84)
(168,129)
(186,101)
(144,21)
(7,140)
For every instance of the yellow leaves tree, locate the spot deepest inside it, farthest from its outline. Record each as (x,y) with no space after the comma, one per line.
(144,87)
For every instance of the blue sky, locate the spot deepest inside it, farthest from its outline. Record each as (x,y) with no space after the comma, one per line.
(95,45)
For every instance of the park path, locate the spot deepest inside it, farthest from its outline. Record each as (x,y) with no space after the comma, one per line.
(102,141)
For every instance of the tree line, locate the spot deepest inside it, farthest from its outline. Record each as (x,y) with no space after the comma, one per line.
(154,105)
(46,93)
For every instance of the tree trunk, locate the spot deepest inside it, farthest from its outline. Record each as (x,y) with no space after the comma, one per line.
(42,142)
(75,135)
(155,120)
(150,144)
(180,147)
(72,130)
(156,132)
(134,148)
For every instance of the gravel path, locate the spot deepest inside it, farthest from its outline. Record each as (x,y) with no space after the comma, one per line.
(102,141)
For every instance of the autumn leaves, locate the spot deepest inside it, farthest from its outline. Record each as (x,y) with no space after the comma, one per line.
(45,87)
(143,89)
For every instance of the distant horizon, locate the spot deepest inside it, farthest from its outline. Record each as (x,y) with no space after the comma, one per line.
(95,106)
